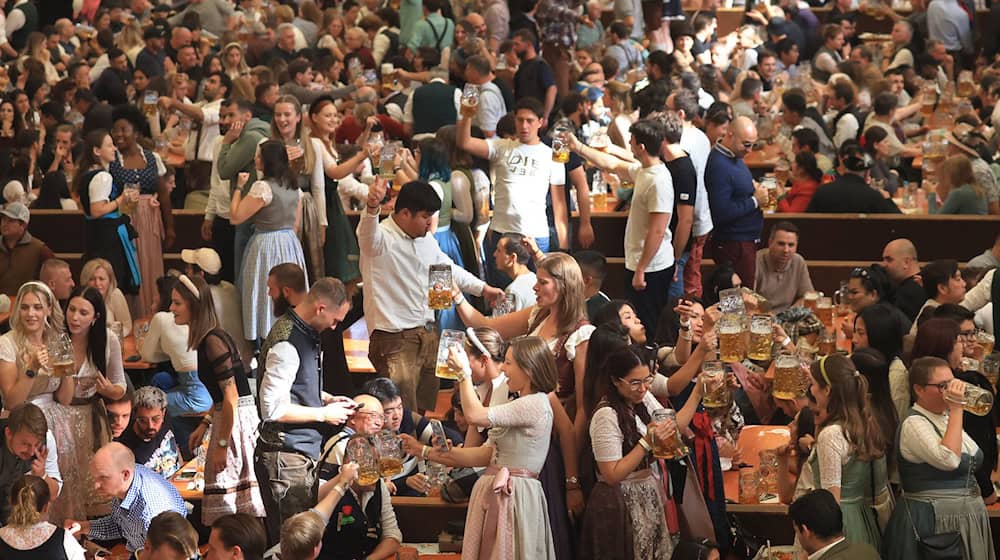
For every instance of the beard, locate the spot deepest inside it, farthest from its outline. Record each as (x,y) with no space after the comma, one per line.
(281,306)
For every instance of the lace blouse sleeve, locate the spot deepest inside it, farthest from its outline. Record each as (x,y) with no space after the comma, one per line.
(834,451)
(115,368)
(262,190)
(221,357)
(606,435)
(518,413)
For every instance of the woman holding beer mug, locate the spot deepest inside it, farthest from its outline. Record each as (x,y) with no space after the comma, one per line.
(947,339)
(514,454)
(937,459)
(849,456)
(99,374)
(628,499)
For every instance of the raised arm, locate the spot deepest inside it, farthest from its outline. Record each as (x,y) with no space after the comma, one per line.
(599,158)
(464,140)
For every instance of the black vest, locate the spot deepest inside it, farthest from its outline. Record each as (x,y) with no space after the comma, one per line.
(12,469)
(52,549)
(19,38)
(306,389)
(353,540)
(433,107)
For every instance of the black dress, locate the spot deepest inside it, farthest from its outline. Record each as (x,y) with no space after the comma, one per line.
(110,237)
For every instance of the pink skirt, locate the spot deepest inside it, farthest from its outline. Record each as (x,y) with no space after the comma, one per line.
(148,222)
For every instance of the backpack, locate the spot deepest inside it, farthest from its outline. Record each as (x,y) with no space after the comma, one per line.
(393,44)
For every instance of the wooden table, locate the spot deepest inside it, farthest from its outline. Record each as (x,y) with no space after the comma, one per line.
(182,484)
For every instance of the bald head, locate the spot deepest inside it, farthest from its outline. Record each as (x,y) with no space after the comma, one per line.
(368,420)
(113,469)
(900,259)
(741,137)
(366,94)
(117,455)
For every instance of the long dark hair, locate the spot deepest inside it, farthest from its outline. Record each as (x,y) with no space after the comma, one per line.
(618,364)
(605,340)
(81,183)
(806,163)
(274,161)
(935,337)
(884,329)
(97,339)
(874,366)
(53,190)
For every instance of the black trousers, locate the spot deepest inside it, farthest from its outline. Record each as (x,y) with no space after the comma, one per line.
(223,241)
(649,303)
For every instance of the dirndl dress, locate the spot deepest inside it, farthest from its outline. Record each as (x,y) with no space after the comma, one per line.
(110,237)
(148,221)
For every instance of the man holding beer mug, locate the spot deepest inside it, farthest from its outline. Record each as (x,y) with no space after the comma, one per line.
(396,256)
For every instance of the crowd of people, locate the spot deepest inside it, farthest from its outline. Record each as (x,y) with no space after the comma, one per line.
(462,135)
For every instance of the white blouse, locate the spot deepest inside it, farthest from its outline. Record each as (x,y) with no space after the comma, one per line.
(167,340)
(27,538)
(575,338)
(606,435)
(920,443)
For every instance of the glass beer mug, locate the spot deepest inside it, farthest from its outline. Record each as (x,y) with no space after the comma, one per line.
(768,471)
(470,100)
(560,149)
(782,167)
(787,376)
(439,294)
(974,399)
(824,311)
(361,451)
(749,485)
(840,299)
(449,338)
(731,301)
(986,340)
(771,184)
(760,337)
(715,392)
(809,300)
(60,349)
(732,343)
(387,161)
(670,449)
(991,368)
(390,453)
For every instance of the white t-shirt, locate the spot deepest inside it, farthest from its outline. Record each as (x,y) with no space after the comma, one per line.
(522,175)
(654,193)
(523,288)
(697,145)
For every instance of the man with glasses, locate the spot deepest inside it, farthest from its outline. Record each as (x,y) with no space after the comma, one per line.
(735,200)
(150,438)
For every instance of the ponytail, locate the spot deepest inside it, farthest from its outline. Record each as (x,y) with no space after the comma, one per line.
(28,497)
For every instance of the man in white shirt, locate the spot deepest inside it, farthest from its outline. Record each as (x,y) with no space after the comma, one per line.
(697,145)
(511,258)
(396,256)
(649,252)
(491,104)
(524,174)
(819,526)
(293,407)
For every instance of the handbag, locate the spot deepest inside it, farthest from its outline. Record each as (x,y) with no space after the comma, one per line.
(939,546)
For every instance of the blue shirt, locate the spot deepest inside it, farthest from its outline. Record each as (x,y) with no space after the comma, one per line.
(730,197)
(149,495)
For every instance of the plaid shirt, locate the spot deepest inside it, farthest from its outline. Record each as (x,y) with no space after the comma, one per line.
(149,495)
(557,20)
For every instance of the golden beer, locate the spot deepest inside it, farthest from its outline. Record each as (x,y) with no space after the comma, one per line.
(443,371)
(385,169)
(599,200)
(787,377)
(827,346)
(975,399)
(389,466)
(63,368)
(470,105)
(772,197)
(713,379)
(768,470)
(966,89)
(986,340)
(749,485)
(761,337)
(732,339)
(809,301)
(927,107)
(824,311)
(560,155)
(368,476)
(449,339)
(387,83)
(672,448)
(439,299)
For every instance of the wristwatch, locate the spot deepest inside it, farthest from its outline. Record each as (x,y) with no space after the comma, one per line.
(223,443)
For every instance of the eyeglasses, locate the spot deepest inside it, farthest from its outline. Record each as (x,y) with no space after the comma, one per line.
(637,384)
(943,386)
(968,336)
(748,145)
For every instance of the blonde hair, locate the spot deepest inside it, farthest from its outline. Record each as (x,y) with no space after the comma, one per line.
(533,356)
(52,326)
(28,497)
(570,308)
(301,534)
(92,266)
(241,69)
